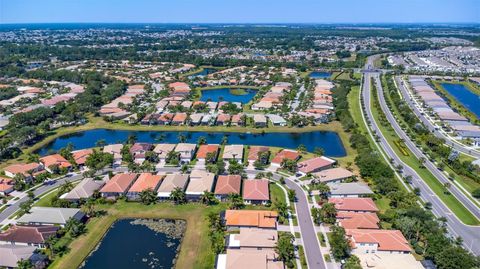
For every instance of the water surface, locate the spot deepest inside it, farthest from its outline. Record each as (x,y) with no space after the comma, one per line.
(329,141)
(320,74)
(227,94)
(464,96)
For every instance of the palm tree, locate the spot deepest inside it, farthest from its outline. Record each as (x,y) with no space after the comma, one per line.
(89,207)
(148,196)
(281,208)
(178,196)
(207,198)
(235,200)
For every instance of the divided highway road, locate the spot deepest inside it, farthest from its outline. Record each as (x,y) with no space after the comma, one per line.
(470,234)
(438,133)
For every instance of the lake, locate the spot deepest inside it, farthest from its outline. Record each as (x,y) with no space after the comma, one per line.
(204,72)
(320,74)
(138,243)
(329,141)
(227,94)
(464,96)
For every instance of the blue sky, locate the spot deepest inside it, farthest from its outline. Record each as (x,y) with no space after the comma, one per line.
(239,11)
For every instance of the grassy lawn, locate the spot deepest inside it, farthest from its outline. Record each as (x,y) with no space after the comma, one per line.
(195,251)
(437,187)
(46,200)
(303,259)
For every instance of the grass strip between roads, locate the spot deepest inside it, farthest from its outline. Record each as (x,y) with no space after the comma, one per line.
(436,186)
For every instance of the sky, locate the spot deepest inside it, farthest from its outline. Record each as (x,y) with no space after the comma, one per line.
(239,11)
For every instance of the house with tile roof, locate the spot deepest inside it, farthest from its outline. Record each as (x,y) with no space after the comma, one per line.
(118,185)
(355,220)
(256,191)
(6,185)
(23,168)
(352,189)
(233,152)
(84,190)
(50,216)
(240,259)
(333,175)
(171,182)
(315,164)
(204,150)
(354,204)
(365,241)
(264,219)
(253,238)
(288,154)
(55,159)
(226,185)
(28,235)
(200,182)
(186,150)
(80,156)
(144,181)
(162,151)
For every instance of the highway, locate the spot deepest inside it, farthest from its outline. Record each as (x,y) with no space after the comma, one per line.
(470,234)
(434,129)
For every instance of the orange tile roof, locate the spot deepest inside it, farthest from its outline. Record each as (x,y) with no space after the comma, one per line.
(355,220)
(313,164)
(228,184)
(204,149)
(179,117)
(286,154)
(21,168)
(55,159)
(119,183)
(387,240)
(354,204)
(80,156)
(251,218)
(146,181)
(256,189)
(254,150)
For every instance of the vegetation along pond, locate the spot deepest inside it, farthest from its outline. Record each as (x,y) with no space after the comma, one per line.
(138,243)
(329,141)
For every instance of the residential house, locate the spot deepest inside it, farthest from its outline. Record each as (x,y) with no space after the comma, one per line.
(251,218)
(285,154)
(80,156)
(253,238)
(247,258)
(256,191)
(353,189)
(196,119)
(255,151)
(277,120)
(22,168)
(226,185)
(84,190)
(138,151)
(315,164)
(333,175)
(354,204)
(165,118)
(118,185)
(186,150)
(28,235)
(11,255)
(162,151)
(6,185)
(355,220)
(223,119)
(365,241)
(179,119)
(233,152)
(144,182)
(204,150)
(170,183)
(200,181)
(260,120)
(116,151)
(50,216)
(55,160)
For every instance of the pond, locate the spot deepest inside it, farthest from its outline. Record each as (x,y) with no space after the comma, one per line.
(138,243)
(204,72)
(320,74)
(464,96)
(228,94)
(329,141)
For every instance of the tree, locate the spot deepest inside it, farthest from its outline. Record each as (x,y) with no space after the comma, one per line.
(211,157)
(208,198)
(98,160)
(328,213)
(301,148)
(235,168)
(289,165)
(100,143)
(455,257)
(181,138)
(148,196)
(24,264)
(26,206)
(89,207)
(235,201)
(75,227)
(323,190)
(285,249)
(319,151)
(339,245)
(173,158)
(184,168)
(476,193)
(353,262)
(291,195)
(202,140)
(282,210)
(178,196)
(131,139)
(447,186)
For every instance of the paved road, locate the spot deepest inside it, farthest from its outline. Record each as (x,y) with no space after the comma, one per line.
(470,234)
(438,133)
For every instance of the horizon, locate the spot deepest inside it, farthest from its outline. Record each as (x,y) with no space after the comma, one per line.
(240,12)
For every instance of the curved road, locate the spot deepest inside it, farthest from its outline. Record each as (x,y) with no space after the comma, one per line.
(470,234)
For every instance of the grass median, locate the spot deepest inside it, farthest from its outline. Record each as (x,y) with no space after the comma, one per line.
(435,185)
